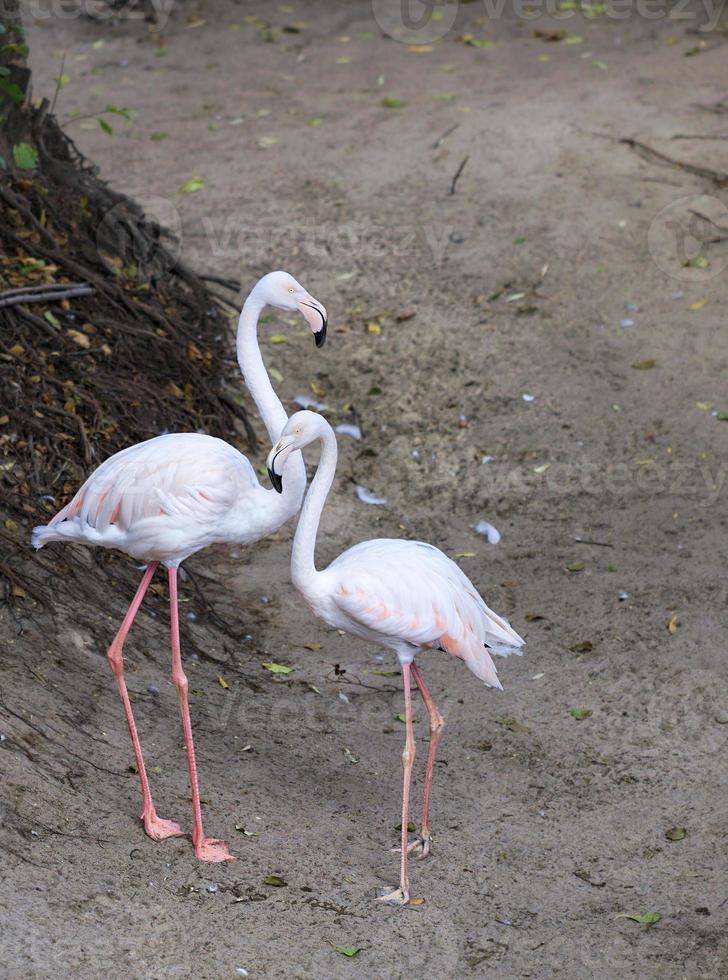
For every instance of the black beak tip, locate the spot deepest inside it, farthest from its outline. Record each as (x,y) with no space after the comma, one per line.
(320,337)
(276,480)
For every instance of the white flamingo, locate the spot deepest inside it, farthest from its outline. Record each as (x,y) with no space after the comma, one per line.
(164,499)
(404,595)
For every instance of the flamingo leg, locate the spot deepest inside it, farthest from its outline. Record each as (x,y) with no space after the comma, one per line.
(156,828)
(401,895)
(206,848)
(421,847)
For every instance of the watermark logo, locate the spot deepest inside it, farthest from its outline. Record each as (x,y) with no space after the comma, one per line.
(414,21)
(688,239)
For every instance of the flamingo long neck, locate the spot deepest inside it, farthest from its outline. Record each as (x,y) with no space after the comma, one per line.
(303,567)
(267,401)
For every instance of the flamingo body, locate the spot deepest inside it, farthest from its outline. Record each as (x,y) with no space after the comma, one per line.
(166,498)
(408,595)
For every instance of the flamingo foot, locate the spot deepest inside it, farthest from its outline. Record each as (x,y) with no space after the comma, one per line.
(396,897)
(419,848)
(213,851)
(159,829)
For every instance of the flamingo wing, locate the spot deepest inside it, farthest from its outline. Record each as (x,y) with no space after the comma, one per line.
(411,593)
(183,475)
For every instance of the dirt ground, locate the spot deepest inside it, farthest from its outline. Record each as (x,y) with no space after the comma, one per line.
(608,486)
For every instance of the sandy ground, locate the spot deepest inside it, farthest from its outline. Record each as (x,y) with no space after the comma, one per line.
(609,481)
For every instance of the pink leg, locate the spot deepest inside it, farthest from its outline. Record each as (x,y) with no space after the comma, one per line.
(156,828)
(401,895)
(422,846)
(206,848)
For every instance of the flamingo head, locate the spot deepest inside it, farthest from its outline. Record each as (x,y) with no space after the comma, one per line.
(281,290)
(300,430)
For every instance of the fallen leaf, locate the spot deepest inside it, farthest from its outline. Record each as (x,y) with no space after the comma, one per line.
(191,185)
(247,833)
(411,827)
(79,338)
(574,39)
(265,141)
(315,647)
(277,668)
(223,683)
(416,901)
(346,950)
(532,617)
(644,365)
(275,881)
(584,647)
(278,338)
(405,314)
(512,725)
(580,713)
(645,919)
(676,833)
(576,566)
(420,48)
(674,624)
(390,103)
(374,328)
(316,121)
(465,554)
(699,305)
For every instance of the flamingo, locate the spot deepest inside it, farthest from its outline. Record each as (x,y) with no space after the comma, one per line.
(162,500)
(405,595)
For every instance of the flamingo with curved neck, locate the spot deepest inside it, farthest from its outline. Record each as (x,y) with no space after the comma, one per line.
(162,500)
(405,595)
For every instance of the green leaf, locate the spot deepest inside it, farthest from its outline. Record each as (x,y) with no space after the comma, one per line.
(277,668)
(580,713)
(275,881)
(645,365)
(316,121)
(474,42)
(411,827)
(62,80)
(676,833)
(158,137)
(51,319)
(646,919)
(278,338)
(722,416)
(574,39)
(390,103)
(346,950)
(25,156)
(155,770)
(584,646)
(192,185)
(375,390)
(12,91)
(106,128)
(119,111)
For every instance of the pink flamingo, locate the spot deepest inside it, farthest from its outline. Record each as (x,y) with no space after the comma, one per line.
(405,595)
(164,499)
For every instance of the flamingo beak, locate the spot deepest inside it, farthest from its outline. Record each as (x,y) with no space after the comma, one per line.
(314,313)
(276,461)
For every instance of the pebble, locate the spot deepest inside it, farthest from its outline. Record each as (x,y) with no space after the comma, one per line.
(528,398)
(152,689)
(457,238)
(241,971)
(622,596)
(191,616)
(212,888)
(627,323)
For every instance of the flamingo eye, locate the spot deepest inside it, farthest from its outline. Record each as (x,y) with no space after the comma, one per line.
(290,289)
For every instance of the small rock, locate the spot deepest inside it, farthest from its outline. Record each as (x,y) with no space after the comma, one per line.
(152,689)
(212,888)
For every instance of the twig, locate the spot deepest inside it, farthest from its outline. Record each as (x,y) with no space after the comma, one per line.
(58,83)
(699,136)
(441,139)
(457,174)
(31,289)
(719,179)
(45,297)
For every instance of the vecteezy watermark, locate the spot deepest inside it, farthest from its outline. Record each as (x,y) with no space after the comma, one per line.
(423,21)
(688,239)
(154,12)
